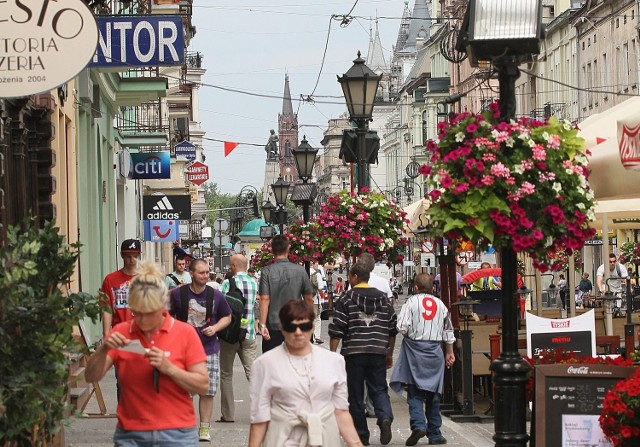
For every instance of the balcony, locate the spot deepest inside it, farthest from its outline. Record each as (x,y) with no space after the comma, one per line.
(142,125)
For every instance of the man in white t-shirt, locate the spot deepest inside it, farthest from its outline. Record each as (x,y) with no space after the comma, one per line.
(617,272)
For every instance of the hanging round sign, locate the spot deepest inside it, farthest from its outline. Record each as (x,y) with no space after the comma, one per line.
(44,44)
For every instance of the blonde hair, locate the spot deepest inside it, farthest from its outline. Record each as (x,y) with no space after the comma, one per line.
(147,291)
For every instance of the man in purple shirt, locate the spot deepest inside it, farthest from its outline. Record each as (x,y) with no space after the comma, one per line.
(208,312)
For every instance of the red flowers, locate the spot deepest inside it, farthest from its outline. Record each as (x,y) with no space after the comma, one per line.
(620,417)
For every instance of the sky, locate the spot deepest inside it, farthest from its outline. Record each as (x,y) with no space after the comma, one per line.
(249,45)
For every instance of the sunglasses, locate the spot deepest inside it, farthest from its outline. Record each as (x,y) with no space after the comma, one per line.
(292,327)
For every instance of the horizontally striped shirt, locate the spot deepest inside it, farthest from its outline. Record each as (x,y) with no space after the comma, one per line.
(364,319)
(249,288)
(425,317)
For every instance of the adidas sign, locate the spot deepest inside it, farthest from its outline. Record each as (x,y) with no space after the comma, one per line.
(163,216)
(163,204)
(166,207)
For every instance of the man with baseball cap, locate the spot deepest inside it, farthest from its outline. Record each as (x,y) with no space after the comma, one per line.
(115,287)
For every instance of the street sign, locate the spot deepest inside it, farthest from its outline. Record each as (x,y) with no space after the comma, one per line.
(221,225)
(185,151)
(197,173)
(427,260)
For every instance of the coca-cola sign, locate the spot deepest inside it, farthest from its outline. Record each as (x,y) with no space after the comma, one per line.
(582,370)
(629,144)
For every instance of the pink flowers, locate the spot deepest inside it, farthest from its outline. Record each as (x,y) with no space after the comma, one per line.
(522,183)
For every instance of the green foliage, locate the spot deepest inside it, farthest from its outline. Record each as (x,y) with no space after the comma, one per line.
(36,322)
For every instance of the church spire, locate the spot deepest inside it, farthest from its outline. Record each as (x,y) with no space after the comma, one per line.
(375,56)
(287,106)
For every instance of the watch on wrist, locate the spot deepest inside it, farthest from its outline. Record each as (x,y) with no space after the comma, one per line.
(262,326)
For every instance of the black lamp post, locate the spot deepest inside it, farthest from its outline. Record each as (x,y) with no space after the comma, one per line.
(280,191)
(266,232)
(305,193)
(465,309)
(506,33)
(360,86)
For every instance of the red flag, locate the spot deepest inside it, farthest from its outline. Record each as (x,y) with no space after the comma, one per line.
(228,147)
(600,140)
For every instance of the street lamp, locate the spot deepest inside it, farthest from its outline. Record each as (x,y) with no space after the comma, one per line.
(465,309)
(305,157)
(267,211)
(360,86)
(304,193)
(506,33)
(280,191)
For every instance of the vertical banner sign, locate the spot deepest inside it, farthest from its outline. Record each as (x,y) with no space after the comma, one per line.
(134,41)
(43,44)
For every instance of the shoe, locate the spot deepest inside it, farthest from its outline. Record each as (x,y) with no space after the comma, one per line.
(385,432)
(369,415)
(437,441)
(319,341)
(222,419)
(415,436)
(204,433)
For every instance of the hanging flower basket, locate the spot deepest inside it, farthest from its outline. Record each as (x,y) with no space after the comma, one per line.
(630,253)
(521,184)
(351,224)
(305,246)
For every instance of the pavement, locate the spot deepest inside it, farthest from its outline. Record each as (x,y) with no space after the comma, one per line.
(98,432)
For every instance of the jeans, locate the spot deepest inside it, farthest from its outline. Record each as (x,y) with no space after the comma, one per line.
(424,404)
(176,437)
(246,350)
(276,340)
(371,368)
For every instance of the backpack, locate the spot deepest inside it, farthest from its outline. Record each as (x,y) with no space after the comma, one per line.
(183,314)
(237,302)
(175,279)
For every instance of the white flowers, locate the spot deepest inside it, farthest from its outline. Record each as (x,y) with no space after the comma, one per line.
(460,137)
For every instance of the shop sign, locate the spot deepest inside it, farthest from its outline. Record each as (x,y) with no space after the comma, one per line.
(198,173)
(43,44)
(150,165)
(136,41)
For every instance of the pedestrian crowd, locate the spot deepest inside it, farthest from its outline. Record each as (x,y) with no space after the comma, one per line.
(301,394)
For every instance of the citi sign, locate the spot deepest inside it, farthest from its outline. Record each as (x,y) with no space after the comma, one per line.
(147,165)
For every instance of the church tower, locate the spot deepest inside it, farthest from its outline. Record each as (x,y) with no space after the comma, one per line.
(288,133)
(283,162)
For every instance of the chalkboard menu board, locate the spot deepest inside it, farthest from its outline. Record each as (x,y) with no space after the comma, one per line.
(568,403)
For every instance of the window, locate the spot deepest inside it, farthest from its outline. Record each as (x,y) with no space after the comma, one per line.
(424,126)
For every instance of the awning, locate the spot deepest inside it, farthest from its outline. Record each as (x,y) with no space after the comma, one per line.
(604,126)
(414,212)
(608,178)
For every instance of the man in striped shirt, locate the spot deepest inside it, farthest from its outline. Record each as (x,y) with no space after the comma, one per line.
(245,349)
(365,321)
(425,322)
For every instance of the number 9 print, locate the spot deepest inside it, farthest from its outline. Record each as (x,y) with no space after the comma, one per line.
(430,308)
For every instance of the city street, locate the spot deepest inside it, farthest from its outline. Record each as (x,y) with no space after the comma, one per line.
(98,432)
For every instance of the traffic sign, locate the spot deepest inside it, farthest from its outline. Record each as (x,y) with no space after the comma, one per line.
(221,225)
(197,173)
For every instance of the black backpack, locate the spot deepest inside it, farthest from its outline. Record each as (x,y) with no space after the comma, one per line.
(183,314)
(237,302)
